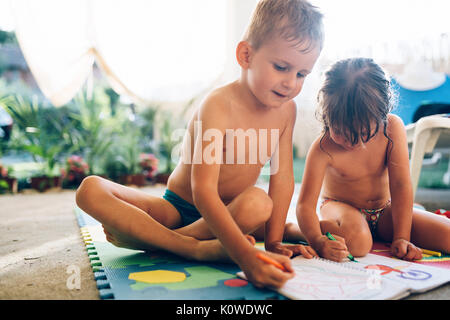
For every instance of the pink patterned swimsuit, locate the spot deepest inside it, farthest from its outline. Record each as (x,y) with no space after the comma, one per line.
(372,215)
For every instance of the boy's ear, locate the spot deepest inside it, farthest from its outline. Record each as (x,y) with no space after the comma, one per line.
(243,54)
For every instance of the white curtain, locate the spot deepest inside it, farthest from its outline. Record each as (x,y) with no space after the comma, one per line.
(148,49)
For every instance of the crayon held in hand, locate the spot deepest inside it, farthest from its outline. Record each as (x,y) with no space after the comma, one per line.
(330,236)
(275,263)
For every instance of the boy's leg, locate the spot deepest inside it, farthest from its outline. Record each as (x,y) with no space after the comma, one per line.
(250,209)
(347,221)
(428,231)
(134,219)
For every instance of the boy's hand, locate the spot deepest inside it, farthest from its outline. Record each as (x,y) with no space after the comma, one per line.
(262,274)
(405,250)
(331,249)
(291,250)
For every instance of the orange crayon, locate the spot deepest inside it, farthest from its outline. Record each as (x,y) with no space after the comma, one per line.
(271,261)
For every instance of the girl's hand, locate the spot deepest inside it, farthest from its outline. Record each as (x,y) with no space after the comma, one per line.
(405,250)
(291,250)
(331,249)
(263,274)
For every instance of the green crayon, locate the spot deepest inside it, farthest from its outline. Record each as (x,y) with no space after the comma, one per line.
(330,236)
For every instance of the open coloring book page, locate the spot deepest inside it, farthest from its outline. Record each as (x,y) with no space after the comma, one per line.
(373,277)
(417,277)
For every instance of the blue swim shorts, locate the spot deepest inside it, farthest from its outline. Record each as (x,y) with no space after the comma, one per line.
(187,211)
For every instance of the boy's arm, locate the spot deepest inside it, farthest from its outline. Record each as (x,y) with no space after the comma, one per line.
(401,190)
(204,180)
(281,188)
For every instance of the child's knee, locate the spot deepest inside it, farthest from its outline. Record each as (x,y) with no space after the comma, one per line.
(359,242)
(259,205)
(446,241)
(87,190)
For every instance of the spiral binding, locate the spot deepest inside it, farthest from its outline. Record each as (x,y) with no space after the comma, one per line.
(340,264)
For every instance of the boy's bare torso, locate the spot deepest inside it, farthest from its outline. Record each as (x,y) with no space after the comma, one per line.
(358,177)
(242,120)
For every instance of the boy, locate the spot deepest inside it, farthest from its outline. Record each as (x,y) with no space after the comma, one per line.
(211,193)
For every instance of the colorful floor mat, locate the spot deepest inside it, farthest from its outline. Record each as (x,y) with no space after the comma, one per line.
(124,274)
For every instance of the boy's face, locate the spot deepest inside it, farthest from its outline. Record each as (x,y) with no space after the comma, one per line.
(277,70)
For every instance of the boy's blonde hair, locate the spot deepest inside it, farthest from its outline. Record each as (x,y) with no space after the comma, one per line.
(293,20)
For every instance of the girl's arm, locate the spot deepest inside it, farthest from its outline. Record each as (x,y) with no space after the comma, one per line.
(317,162)
(401,190)
(315,166)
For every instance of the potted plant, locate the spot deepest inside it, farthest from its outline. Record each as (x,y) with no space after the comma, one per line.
(89,134)
(149,165)
(7,183)
(122,162)
(50,175)
(166,145)
(130,159)
(75,171)
(40,135)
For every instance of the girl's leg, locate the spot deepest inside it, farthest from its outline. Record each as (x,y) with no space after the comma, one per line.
(250,209)
(343,220)
(346,221)
(134,219)
(428,231)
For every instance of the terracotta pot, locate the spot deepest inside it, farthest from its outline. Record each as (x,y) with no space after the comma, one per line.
(12,184)
(75,181)
(43,183)
(133,179)
(162,178)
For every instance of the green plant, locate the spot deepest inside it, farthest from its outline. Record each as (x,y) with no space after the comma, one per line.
(89,132)
(123,158)
(167,143)
(168,124)
(145,121)
(112,167)
(4,186)
(129,155)
(40,133)
(113,100)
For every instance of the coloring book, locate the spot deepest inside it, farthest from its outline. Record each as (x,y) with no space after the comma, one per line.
(372,277)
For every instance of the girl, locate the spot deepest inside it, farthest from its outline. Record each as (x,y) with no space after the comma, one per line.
(360,168)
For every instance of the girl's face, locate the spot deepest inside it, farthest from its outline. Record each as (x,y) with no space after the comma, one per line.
(277,71)
(340,138)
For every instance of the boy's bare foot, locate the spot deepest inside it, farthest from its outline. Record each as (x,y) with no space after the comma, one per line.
(201,250)
(292,233)
(122,241)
